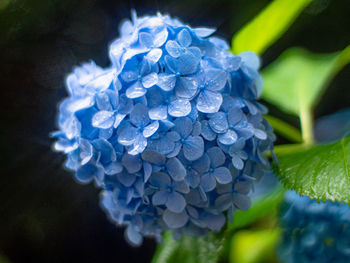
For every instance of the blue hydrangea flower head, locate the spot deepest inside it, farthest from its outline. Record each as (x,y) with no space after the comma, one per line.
(314,232)
(171,132)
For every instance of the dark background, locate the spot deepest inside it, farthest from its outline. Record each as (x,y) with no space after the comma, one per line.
(45,216)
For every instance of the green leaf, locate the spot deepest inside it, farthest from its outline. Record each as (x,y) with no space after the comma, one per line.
(320,172)
(268,26)
(284,129)
(189,249)
(297,79)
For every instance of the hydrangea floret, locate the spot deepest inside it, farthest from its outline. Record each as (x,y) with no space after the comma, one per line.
(314,232)
(171,132)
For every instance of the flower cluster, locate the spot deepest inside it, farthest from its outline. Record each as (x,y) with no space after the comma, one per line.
(315,232)
(170,132)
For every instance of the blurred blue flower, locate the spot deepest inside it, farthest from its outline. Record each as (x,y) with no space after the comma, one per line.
(170,132)
(314,232)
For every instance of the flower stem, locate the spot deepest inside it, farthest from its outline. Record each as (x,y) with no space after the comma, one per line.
(306,121)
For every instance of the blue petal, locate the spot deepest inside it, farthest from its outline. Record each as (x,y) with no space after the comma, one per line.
(214,222)
(260,134)
(187,64)
(85,173)
(173,136)
(161,145)
(153,157)
(127,135)
(222,175)
(228,138)
(204,31)
(150,129)
(139,145)
(208,182)
(223,202)
(147,170)
(186,88)
(154,55)
(102,102)
(150,80)
(125,105)
(207,132)
(216,155)
(176,150)
(175,169)
(193,148)
(113,168)
(181,187)
(160,197)
(173,48)
(209,102)
(241,201)
(133,236)
(197,129)
(106,150)
(146,39)
(216,79)
(136,90)
(218,122)
(234,116)
(202,165)
(158,113)
(166,81)
(250,59)
(193,178)
(184,38)
(129,76)
(161,37)
(139,115)
(179,108)
(176,202)
(237,162)
(183,126)
(103,119)
(126,179)
(118,119)
(160,180)
(171,64)
(132,163)
(175,220)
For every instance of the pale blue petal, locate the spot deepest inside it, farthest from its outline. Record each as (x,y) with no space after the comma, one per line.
(132,163)
(147,170)
(133,236)
(184,38)
(204,31)
(139,115)
(234,116)
(218,122)
(183,126)
(260,134)
(173,136)
(113,168)
(161,145)
(118,120)
(241,201)
(176,202)
(187,64)
(179,108)
(160,38)
(146,39)
(173,48)
(207,132)
(154,55)
(175,220)
(136,90)
(129,76)
(160,197)
(208,182)
(127,135)
(216,156)
(139,145)
(153,157)
(103,119)
(150,129)
(150,80)
(103,102)
(193,148)
(237,162)
(197,129)
(171,64)
(228,138)
(209,102)
(195,51)
(166,81)
(158,113)
(186,87)
(250,59)
(216,79)
(222,175)
(175,169)
(125,105)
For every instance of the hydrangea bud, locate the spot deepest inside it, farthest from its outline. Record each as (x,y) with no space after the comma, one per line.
(314,232)
(170,132)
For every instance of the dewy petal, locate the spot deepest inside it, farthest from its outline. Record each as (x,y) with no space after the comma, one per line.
(179,108)
(160,38)
(187,63)
(150,129)
(216,79)
(132,163)
(158,113)
(175,169)
(166,81)
(184,38)
(139,115)
(218,122)
(118,120)
(186,88)
(176,202)
(216,155)
(171,64)
(228,138)
(209,102)
(139,145)
(173,48)
(175,220)
(129,76)
(204,31)
(160,197)
(183,126)
(150,80)
(222,175)
(103,119)
(206,132)
(208,182)
(136,90)
(146,39)
(154,55)
(193,148)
